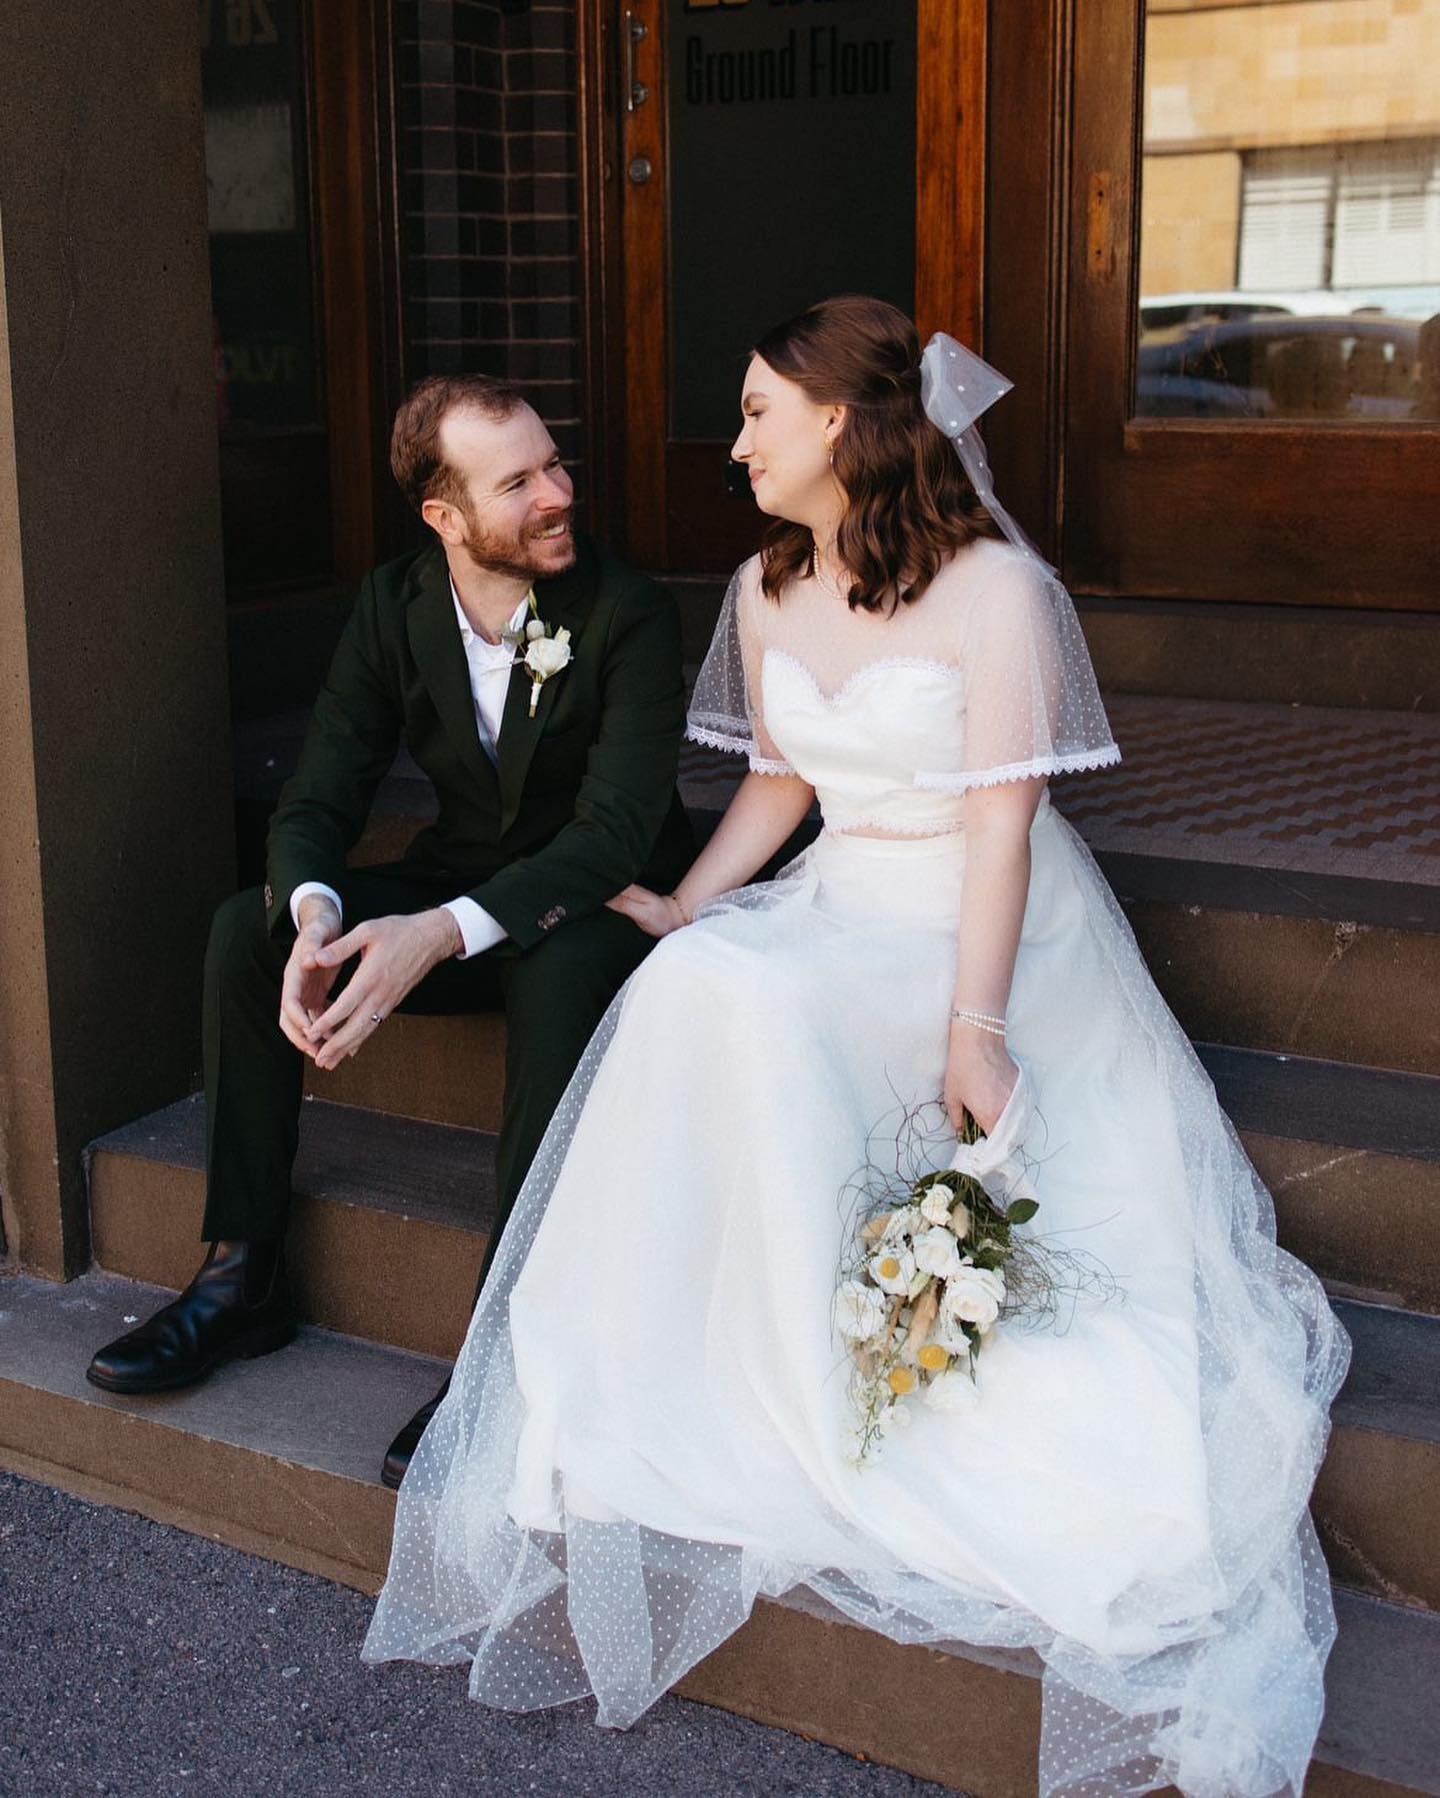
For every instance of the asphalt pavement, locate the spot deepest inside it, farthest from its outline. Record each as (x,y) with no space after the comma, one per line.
(138,1660)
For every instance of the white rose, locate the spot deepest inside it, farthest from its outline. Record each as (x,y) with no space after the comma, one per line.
(975,1294)
(859,1311)
(935,1206)
(548,655)
(533,630)
(937,1252)
(892,1268)
(953,1392)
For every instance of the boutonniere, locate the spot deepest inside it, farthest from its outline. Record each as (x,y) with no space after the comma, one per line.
(546,652)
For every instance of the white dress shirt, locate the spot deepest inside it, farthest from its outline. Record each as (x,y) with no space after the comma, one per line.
(490,665)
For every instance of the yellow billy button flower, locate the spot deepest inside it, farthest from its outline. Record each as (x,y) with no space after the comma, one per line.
(889,1268)
(933,1358)
(902,1381)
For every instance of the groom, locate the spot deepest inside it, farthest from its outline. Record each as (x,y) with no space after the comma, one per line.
(555,777)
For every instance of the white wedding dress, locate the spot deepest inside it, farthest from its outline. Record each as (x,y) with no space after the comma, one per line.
(649,1424)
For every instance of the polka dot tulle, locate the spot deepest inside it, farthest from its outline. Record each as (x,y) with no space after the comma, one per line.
(649,1423)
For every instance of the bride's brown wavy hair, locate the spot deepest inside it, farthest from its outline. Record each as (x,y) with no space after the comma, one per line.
(909,503)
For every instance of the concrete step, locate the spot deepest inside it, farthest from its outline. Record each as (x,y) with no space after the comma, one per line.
(279,1457)
(390,1224)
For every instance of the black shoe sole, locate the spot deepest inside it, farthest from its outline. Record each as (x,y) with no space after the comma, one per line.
(244,1348)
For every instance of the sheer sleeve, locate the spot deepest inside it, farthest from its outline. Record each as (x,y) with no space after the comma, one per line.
(1032,707)
(725,710)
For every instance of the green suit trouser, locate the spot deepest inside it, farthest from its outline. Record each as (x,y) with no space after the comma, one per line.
(553,996)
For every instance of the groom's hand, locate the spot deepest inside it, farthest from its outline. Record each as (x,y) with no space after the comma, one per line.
(395,955)
(305,988)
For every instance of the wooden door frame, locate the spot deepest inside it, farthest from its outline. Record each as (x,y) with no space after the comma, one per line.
(623,251)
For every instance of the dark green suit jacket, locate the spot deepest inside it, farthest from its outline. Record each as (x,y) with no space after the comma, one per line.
(584,800)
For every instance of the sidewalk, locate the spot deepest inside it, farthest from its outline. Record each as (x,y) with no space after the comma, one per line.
(135,1659)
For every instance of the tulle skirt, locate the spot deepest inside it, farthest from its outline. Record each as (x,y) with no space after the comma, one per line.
(650,1423)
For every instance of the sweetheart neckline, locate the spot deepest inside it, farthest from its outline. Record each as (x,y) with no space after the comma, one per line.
(928,664)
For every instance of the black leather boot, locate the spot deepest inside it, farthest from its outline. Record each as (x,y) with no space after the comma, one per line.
(397,1456)
(237,1306)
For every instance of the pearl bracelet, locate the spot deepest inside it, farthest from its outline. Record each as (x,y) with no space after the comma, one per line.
(979,1020)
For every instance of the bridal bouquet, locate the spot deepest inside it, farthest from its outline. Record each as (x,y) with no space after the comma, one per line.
(936,1264)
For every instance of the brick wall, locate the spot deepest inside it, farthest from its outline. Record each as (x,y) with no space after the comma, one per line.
(487,135)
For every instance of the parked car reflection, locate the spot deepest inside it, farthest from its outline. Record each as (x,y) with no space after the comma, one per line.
(1362,366)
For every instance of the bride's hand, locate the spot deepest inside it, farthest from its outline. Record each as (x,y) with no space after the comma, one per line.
(657,914)
(979,1077)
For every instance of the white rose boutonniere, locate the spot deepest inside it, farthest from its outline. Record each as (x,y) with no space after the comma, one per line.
(546,654)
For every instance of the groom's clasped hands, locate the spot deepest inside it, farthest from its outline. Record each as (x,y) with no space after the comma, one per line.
(396,953)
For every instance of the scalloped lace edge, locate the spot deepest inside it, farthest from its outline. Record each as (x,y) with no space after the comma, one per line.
(716,739)
(1082,762)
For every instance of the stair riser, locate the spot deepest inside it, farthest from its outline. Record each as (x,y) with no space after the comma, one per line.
(287,1512)
(1298,986)
(1375,1507)
(403,1281)
(410,1283)
(447,1070)
(1369,1224)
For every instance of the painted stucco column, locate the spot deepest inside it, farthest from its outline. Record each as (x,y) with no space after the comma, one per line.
(116,835)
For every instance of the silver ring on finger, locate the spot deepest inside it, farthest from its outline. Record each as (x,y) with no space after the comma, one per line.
(377,1017)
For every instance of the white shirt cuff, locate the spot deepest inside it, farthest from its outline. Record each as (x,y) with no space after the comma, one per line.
(479,930)
(305,889)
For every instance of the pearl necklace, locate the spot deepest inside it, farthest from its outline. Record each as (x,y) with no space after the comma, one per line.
(821,579)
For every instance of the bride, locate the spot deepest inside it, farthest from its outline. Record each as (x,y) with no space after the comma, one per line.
(650,1424)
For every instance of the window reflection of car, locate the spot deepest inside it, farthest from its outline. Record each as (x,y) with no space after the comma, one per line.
(1348,366)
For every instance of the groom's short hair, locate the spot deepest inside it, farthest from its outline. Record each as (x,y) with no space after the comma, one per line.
(416,459)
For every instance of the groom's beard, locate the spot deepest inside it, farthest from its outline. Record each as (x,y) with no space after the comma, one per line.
(527,557)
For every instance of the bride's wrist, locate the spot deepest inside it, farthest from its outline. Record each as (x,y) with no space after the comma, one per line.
(682,910)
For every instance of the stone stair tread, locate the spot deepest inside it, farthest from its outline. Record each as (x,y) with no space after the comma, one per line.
(1394,1381)
(1381,1717)
(319,1409)
(444,1173)
(1296,1096)
(319,1402)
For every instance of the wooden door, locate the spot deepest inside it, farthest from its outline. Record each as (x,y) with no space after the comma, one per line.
(745,158)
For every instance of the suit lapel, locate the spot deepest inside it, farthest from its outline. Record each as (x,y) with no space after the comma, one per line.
(440,657)
(563,603)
